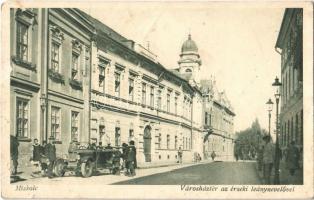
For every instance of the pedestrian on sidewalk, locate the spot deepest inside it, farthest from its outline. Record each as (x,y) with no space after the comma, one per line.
(51,155)
(180,155)
(268,159)
(35,160)
(124,158)
(292,158)
(213,155)
(131,159)
(14,153)
(43,158)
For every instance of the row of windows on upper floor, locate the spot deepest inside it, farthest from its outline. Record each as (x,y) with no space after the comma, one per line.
(291,81)
(23,48)
(148,91)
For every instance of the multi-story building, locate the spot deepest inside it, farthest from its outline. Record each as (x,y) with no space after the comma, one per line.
(289,45)
(218,122)
(75,78)
(134,97)
(50,61)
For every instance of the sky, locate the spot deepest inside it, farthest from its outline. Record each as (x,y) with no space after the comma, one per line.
(236,45)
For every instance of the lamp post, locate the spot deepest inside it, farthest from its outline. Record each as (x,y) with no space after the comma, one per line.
(277,85)
(269,109)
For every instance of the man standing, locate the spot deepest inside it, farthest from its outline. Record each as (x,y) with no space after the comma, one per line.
(14,151)
(51,155)
(268,158)
(131,159)
(292,158)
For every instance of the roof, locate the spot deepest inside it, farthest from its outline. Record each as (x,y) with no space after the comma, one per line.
(189,45)
(104,29)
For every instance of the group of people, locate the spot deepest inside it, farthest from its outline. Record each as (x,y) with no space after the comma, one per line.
(266,158)
(44,156)
(129,158)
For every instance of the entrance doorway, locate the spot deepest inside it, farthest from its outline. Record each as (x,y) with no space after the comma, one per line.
(147,143)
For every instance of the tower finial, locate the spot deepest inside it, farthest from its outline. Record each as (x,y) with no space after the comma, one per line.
(189,33)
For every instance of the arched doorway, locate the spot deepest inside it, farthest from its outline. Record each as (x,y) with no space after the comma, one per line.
(147,143)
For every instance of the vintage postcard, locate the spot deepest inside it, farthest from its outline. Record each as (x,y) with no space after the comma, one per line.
(157,100)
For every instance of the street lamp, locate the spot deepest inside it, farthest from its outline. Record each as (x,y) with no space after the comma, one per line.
(269,109)
(277,85)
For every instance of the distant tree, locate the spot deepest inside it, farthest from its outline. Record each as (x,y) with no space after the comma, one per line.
(248,141)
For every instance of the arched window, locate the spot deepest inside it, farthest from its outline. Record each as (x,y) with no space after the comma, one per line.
(188,71)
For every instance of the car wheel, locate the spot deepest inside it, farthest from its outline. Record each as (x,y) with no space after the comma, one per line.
(60,168)
(87,169)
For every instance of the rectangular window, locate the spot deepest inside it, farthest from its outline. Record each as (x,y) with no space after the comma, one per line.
(152,96)
(102,132)
(176,105)
(159,141)
(117,84)
(168,141)
(117,137)
(131,89)
(74,126)
(131,133)
(75,59)
(159,100)
(176,142)
(144,93)
(55,123)
(168,102)
(22,41)
(206,118)
(55,57)
(297,133)
(21,118)
(101,70)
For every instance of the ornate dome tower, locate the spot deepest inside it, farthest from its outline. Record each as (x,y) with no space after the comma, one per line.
(190,62)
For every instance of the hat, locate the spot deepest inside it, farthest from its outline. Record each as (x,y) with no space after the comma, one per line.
(51,138)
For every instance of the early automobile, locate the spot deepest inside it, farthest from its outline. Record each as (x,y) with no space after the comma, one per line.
(85,161)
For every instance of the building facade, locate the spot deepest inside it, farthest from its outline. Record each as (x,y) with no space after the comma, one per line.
(289,45)
(74,78)
(50,62)
(133,97)
(218,122)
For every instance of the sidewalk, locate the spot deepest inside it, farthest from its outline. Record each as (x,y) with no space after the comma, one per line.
(285,177)
(105,178)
